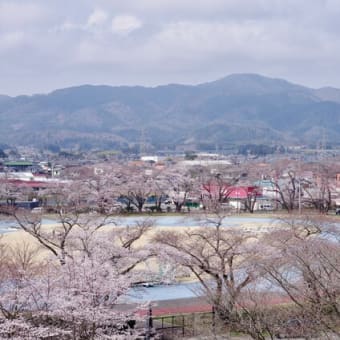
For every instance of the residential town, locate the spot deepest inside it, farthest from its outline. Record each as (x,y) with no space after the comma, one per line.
(181,184)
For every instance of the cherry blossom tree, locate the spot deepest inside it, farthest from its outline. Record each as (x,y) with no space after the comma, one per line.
(181,185)
(302,259)
(77,297)
(318,191)
(286,191)
(220,258)
(76,300)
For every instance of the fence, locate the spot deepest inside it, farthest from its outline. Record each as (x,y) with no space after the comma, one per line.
(181,325)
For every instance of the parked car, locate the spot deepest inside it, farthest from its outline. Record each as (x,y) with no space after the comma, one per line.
(168,206)
(267,207)
(38,210)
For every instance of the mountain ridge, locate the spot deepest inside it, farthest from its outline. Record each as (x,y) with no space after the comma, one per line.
(239,108)
(222,79)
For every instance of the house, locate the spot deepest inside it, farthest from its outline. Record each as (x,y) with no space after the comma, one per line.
(149,159)
(19,166)
(268,188)
(236,196)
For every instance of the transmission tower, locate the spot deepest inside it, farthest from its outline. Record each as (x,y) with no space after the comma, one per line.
(142,143)
(322,144)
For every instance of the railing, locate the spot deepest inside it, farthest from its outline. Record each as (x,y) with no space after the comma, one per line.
(179,325)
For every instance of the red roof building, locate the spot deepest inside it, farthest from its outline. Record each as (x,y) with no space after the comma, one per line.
(224,191)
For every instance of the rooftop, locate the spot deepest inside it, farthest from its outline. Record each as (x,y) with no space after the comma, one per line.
(18,163)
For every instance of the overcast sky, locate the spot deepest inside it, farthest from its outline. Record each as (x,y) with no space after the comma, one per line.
(50,44)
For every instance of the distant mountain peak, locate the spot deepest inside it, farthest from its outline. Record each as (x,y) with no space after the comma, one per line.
(252,83)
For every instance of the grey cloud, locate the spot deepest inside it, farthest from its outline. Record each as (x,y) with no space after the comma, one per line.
(46,45)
